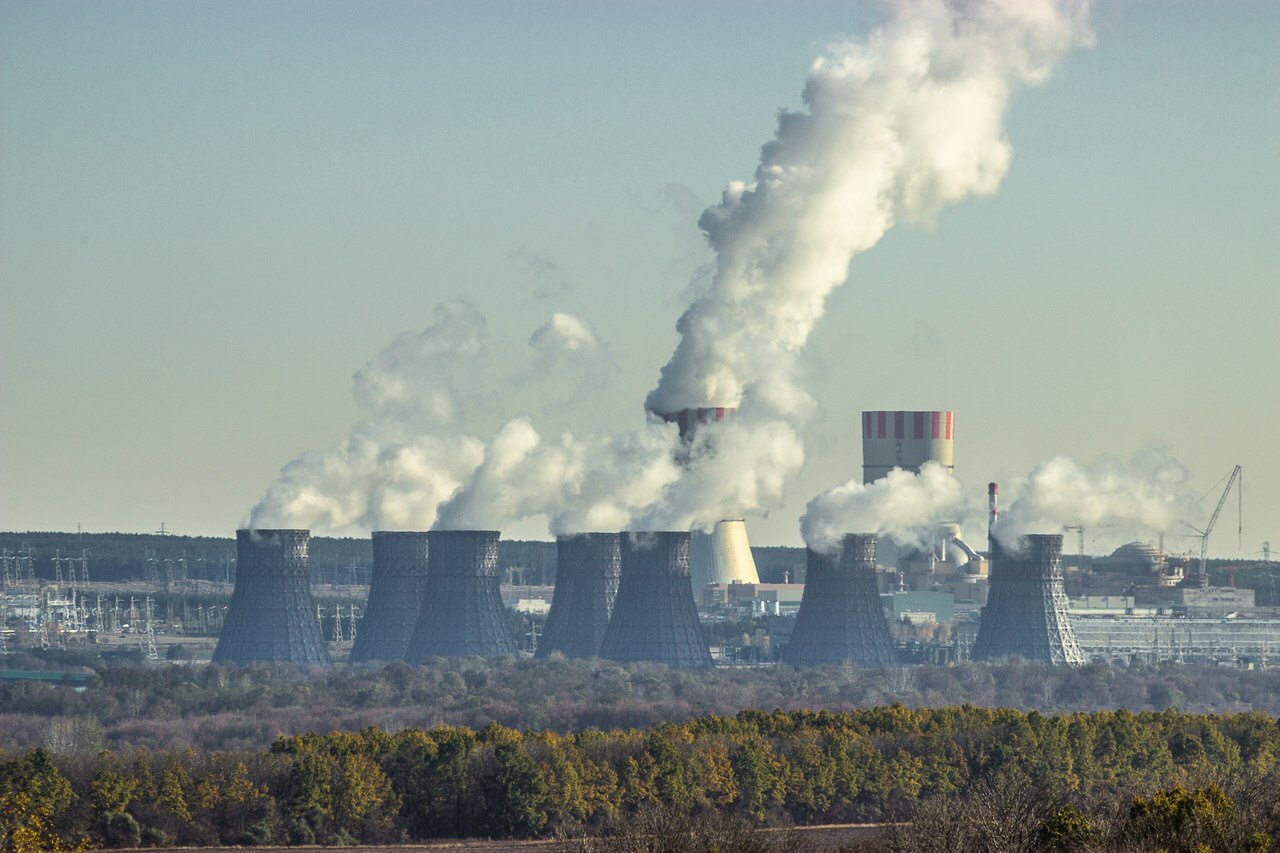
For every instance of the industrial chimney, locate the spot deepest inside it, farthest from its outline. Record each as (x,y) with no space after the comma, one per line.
(1026,613)
(724,555)
(395,596)
(588,566)
(654,618)
(462,612)
(906,440)
(272,616)
(841,618)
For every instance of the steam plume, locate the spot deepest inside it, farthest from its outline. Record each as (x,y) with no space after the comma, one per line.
(1148,495)
(898,126)
(407,454)
(906,506)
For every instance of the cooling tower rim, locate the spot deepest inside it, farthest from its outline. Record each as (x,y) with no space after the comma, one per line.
(590,534)
(261,531)
(464,532)
(398,533)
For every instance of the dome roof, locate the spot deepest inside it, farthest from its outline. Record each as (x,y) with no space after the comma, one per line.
(1135,552)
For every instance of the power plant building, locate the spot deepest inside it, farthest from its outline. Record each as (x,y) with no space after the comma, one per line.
(654,617)
(272,616)
(1026,613)
(588,568)
(396,589)
(462,612)
(841,618)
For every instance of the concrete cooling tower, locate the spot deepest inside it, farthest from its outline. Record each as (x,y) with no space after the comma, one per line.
(1026,613)
(906,440)
(654,618)
(841,618)
(272,616)
(724,555)
(588,566)
(462,612)
(396,590)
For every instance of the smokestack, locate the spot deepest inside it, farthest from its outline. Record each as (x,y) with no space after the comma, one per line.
(906,440)
(272,616)
(1026,613)
(395,596)
(588,566)
(841,618)
(462,612)
(654,618)
(993,507)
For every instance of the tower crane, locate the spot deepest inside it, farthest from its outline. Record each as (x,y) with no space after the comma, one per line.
(1203,535)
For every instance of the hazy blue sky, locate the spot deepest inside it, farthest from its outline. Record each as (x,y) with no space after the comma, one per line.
(212,214)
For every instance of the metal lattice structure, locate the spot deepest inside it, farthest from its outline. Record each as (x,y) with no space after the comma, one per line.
(588,566)
(272,616)
(654,617)
(462,612)
(396,588)
(841,619)
(1026,614)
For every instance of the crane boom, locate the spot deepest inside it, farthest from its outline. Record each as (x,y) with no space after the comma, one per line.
(1213,519)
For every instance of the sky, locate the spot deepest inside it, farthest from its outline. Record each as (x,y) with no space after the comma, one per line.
(213,214)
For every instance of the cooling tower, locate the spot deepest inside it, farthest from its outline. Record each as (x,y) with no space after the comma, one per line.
(272,616)
(396,589)
(462,612)
(1026,612)
(841,618)
(654,618)
(906,440)
(587,569)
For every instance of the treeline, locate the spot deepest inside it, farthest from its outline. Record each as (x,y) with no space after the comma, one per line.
(135,556)
(230,708)
(966,777)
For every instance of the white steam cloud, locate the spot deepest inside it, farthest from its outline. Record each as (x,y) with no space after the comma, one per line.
(904,505)
(407,454)
(896,126)
(1146,496)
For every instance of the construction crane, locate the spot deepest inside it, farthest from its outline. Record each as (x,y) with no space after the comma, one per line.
(1079,529)
(1203,535)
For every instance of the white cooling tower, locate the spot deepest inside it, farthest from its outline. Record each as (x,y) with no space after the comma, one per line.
(731,559)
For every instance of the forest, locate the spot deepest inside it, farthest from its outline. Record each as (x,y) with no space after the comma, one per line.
(220,708)
(956,778)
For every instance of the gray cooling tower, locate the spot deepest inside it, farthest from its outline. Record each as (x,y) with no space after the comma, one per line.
(395,596)
(272,616)
(587,569)
(1026,613)
(654,618)
(841,618)
(462,612)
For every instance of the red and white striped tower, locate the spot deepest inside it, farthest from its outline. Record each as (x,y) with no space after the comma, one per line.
(906,440)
